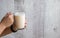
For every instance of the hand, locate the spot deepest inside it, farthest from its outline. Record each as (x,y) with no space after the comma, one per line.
(8,20)
(25,23)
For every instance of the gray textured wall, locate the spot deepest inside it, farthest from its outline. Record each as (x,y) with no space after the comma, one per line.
(43,18)
(6,6)
(52,19)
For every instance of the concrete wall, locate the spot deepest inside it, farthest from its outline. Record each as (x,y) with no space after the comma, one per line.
(6,6)
(43,18)
(52,19)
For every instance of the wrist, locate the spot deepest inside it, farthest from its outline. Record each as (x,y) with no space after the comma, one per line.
(2,28)
(2,25)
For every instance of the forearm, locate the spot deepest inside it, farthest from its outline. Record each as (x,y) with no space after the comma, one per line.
(6,31)
(2,28)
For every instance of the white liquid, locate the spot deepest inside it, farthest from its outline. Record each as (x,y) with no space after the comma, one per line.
(19,20)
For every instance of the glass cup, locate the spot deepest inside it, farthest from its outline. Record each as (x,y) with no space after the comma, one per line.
(19,21)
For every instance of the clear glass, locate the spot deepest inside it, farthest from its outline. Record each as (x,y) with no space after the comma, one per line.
(18,12)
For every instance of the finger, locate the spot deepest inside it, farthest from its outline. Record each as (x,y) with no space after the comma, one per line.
(25,26)
(11,18)
(9,13)
(25,22)
(6,15)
